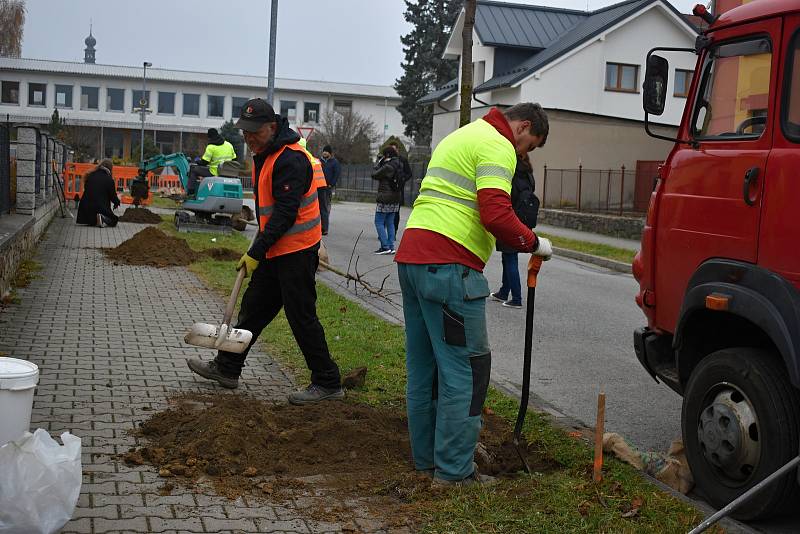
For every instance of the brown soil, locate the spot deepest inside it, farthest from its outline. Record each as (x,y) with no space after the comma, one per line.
(222,254)
(247,446)
(140,215)
(152,247)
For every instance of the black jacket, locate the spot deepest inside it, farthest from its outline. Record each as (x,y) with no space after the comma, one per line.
(387,171)
(522,186)
(98,195)
(291,179)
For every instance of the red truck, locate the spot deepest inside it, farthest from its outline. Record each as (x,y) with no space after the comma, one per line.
(719,266)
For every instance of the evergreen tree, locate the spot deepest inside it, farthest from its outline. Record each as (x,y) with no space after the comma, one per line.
(56,124)
(423,68)
(232,135)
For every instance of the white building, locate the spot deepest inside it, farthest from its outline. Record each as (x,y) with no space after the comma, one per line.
(586,68)
(183,104)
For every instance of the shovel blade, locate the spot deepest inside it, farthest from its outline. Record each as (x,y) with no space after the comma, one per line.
(205,335)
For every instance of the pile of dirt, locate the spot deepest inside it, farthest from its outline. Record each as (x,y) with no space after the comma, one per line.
(244,445)
(222,254)
(152,247)
(140,215)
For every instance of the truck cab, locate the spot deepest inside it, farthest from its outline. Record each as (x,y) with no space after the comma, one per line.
(719,266)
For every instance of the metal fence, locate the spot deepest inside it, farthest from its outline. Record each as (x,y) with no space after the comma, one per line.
(5,168)
(611,191)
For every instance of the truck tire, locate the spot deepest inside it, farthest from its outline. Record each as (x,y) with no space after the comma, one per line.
(741,422)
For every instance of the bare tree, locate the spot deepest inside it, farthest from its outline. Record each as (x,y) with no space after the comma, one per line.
(466,61)
(12,23)
(350,134)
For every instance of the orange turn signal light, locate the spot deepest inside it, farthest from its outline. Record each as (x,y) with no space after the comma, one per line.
(717,302)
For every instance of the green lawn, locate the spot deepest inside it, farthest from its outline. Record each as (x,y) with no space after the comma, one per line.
(595,249)
(562,500)
(163,202)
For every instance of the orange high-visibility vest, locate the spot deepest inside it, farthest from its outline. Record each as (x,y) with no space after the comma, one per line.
(307,229)
(319,176)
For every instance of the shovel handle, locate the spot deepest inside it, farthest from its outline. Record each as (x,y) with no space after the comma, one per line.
(232,300)
(534,266)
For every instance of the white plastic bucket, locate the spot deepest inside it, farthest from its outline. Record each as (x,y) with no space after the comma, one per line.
(18,378)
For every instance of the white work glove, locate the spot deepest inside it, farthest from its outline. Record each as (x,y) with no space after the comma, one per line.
(544,249)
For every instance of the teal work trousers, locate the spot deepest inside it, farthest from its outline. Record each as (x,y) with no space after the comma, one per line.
(448,363)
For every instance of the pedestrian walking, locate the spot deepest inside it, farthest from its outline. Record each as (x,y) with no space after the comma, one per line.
(463,205)
(99,194)
(332,169)
(283,259)
(407,175)
(526,208)
(388,172)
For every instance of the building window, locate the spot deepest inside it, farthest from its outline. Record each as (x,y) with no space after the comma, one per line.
(216,105)
(791,107)
(9,93)
(115,99)
(621,77)
(37,94)
(191,105)
(166,103)
(343,107)
(289,110)
(139,100)
(63,96)
(90,98)
(238,104)
(165,141)
(683,80)
(311,112)
(113,141)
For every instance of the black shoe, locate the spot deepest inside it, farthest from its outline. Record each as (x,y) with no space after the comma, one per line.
(381,251)
(314,394)
(211,371)
(496,296)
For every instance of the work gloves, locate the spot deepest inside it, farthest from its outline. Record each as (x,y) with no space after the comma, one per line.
(544,249)
(248,263)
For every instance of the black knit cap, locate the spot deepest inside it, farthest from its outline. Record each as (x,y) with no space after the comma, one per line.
(254,114)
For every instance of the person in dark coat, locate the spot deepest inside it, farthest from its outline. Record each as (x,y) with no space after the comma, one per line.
(332,169)
(388,172)
(526,207)
(99,193)
(407,174)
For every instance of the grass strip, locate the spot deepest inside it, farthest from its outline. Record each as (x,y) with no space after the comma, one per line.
(595,249)
(563,500)
(162,202)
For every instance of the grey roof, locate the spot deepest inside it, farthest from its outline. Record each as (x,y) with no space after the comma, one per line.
(597,22)
(199,78)
(525,26)
(440,93)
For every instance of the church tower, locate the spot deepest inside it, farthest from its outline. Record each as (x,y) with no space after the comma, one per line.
(88,52)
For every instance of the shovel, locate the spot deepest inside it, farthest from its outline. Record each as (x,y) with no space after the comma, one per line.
(222,337)
(534,264)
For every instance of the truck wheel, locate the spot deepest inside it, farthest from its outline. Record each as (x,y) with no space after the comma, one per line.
(741,422)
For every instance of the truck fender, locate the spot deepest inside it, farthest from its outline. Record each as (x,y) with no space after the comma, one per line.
(756,294)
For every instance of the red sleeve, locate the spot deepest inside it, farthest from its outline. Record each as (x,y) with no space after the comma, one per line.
(497,215)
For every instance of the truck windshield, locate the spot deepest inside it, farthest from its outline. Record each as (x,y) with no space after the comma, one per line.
(733,98)
(791,108)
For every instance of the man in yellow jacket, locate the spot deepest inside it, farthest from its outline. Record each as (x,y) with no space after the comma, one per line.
(217,151)
(463,205)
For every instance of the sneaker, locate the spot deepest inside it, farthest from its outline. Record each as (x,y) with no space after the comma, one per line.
(496,296)
(100,221)
(512,304)
(382,251)
(393,251)
(314,394)
(473,479)
(211,371)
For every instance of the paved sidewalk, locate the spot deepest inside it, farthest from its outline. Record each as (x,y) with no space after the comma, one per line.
(108,341)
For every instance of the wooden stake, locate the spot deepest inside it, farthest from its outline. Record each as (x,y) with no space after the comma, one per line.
(598,437)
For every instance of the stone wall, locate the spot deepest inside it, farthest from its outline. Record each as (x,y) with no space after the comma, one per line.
(624,227)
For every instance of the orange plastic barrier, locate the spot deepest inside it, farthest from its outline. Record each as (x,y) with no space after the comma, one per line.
(122,174)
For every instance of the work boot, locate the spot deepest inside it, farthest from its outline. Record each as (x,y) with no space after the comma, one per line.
(314,394)
(211,371)
(473,479)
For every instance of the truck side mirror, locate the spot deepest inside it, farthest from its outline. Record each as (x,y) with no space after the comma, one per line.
(655,84)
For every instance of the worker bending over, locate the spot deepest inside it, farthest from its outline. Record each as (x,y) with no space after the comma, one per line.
(217,151)
(463,205)
(282,260)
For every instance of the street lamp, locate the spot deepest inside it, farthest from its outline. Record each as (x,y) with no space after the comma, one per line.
(143,108)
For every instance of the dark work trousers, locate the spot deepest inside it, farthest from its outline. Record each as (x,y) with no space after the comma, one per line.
(286,282)
(397,213)
(324,194)
(196,175)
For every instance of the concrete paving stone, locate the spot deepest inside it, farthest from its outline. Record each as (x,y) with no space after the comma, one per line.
(181,500)
(102,499)
(109,512)
(78,526)
(213,524)
(163,511)
(294,525)
(101,525)
(262,511)
(158,524)
(216,512)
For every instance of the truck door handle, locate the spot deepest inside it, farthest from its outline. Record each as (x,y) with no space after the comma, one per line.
(750,177)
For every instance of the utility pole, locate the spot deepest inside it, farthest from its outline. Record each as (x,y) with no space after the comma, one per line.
(466,62)
(143,102)
(273,35)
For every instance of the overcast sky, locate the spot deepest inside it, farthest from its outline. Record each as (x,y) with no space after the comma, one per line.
(355,41)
